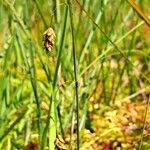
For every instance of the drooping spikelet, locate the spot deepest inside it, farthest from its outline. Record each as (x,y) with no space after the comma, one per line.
(49,39)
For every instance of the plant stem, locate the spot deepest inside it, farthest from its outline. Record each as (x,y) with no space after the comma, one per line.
(75,71)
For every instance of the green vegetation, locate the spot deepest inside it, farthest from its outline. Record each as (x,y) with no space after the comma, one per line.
(86,89)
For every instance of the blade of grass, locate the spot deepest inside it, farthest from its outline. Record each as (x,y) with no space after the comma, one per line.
(139,12)
(55,81)
(56,10)
(84,114)
(60,47)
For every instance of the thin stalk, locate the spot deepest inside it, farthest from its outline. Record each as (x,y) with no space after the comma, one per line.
(58,63)
(55,80)
(139,12)
(60,47)
(75,71)
(144,124)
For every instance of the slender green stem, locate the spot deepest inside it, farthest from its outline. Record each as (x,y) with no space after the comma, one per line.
(75,71)
(60,47)
(55,80)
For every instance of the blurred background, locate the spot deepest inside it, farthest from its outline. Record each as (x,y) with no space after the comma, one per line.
(37,87)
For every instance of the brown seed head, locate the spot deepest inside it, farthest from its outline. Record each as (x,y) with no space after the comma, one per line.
(49,39)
